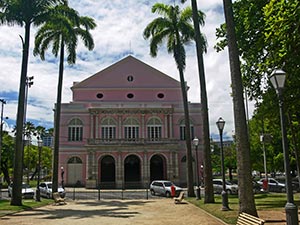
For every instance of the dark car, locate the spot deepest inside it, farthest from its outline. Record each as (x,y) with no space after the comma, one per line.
(257,188)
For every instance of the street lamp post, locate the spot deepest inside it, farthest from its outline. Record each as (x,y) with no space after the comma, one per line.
(220,124)
(62,176)
(38,193)
(1,138)
(198,191)
(277,79)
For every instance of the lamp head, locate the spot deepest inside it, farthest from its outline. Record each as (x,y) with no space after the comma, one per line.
(196,141)
(277,79)
(220,124)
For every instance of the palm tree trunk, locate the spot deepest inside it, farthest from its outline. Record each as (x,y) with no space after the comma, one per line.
(57,120)
(246,197)
(207,167)
(190,181)
(18,160)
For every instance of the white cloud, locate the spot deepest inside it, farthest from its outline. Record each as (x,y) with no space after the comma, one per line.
(119,30)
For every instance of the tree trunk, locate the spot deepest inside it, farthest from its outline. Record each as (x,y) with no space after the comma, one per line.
(5,172)
(246,196)
(207,167)
(189,161)
(19,148)
(57,120)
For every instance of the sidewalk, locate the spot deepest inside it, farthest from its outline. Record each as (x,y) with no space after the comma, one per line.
(109,212)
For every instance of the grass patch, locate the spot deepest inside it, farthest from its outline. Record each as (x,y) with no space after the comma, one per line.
(263,202)
(6,208)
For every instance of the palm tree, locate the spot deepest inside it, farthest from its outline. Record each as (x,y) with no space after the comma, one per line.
(63,30)
(29,130)
(246,197)
(200,47)
(23,13)
(175,27)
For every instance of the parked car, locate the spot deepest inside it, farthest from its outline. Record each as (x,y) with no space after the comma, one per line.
(273,185)
(230,188)
(163,187)
(27,191)
(257,188)
(46,190)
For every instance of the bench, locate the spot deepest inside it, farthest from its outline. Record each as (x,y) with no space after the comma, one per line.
(179,199)
(57,199)
(247,219)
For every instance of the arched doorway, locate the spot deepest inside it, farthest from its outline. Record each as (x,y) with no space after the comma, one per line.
(157,168)
(107,172)
(74,171)
(132,169)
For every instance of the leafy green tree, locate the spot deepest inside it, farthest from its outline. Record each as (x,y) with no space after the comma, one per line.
(23,13)
(267,41)
(62,31)
(246,196)
(198,19)
(7,156)
(29,131)
(230,160)
(174,26)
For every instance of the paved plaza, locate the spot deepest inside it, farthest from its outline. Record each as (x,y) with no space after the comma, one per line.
(121,212)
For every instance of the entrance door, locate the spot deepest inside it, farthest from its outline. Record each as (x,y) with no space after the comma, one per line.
(108,172)
(75,171)
(157,168)
(132,171)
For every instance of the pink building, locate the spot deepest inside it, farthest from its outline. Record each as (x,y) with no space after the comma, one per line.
(125,128)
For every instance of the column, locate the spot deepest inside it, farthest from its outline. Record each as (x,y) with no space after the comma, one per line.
(119,171)
(146,169)
(120,126)
(92,125)
(97,125)
(166,126)
(171,125)
(143,126)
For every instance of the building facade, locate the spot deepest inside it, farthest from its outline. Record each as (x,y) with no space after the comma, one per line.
(125,127)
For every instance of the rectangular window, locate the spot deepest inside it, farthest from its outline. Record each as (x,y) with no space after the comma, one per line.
(108,132)
(182,132)
(154,132)
(75,133)
(131,132)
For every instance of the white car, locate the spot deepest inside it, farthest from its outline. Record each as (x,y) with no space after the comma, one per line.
(46,190)
(230,188)
(163,187)
(27,191)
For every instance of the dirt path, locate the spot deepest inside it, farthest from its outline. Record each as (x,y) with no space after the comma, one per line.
(110,212)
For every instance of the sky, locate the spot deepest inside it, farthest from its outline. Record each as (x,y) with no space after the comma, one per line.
(120,25)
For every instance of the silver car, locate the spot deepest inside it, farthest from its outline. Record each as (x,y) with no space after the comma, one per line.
(46,190)
(27,191)
(164,187)
(230,188)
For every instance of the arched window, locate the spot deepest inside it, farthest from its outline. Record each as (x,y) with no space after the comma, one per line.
(75,130)
(154,128)
(74,160)
(182,130)
(108,128)
(131,128)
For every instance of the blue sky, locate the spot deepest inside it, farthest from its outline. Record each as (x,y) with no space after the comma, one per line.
(119,31)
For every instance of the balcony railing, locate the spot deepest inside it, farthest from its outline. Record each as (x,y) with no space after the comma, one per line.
(100,141)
